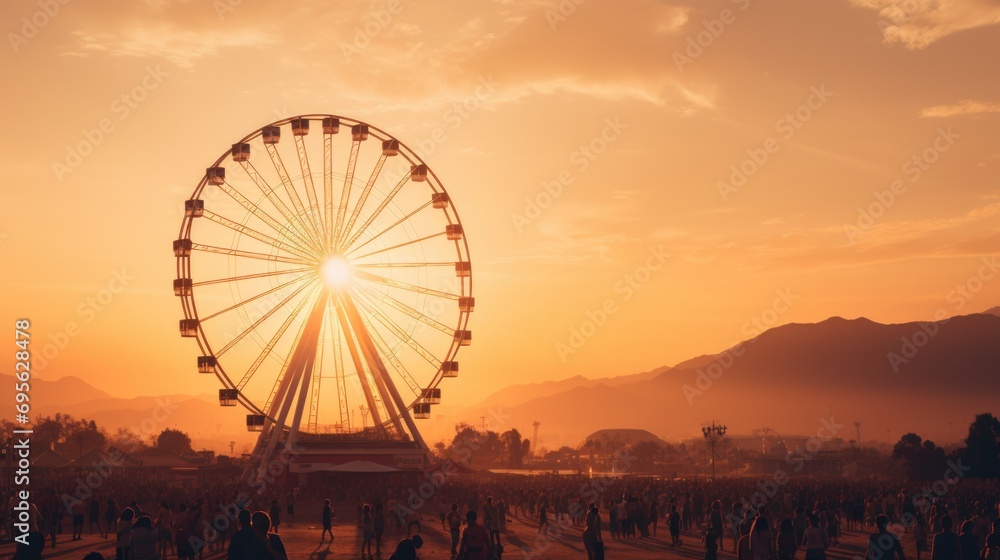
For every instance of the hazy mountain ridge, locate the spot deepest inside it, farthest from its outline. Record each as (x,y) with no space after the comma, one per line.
(788,378)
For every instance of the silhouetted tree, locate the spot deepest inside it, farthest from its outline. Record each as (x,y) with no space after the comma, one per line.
(174,442)
(515,446)
(128,441)
(923,459)
(982,447)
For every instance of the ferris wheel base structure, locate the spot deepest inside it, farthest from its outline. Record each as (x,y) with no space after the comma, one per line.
(314,290)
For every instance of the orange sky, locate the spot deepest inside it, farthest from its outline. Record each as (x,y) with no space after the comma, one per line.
(607,104)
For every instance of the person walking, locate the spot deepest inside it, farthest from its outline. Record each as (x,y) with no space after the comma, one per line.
(882,542)
(327,522)
(475,540)
(593,539)
(241,538)
(946,546)
(123,530)
(454,520)
(815,540)
(264,546)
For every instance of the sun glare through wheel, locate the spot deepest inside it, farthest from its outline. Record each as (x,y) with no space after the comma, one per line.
(325,274)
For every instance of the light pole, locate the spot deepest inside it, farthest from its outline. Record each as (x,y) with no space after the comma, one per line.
(713,434)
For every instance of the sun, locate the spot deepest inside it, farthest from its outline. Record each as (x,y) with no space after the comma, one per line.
(336,271)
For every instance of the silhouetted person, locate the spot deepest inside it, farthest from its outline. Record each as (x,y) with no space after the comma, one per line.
(144,539)
(367,530)
(327,522)
(475,539)
(712,542)
(946,542)
(491,521)
(264,545)
(968,542)
(592,532)
(920,535)
(36,543)
(785,542)
(883,545)
(675,526)
(241,538)
(275,515)
(378,528)
(814,540)
(715,522)
(761,540)
(123,529)
(454,520)
(95,516)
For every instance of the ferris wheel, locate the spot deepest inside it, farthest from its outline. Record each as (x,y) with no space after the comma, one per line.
(324,273)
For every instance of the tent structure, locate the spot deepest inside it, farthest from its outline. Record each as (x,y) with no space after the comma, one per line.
(348,467)
(49,460)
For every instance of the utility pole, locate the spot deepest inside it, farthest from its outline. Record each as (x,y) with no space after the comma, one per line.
(534,438)
(483,418)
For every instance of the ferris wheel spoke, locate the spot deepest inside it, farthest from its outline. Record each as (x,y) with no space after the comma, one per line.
(406,309)
(398,331)
(290,234)
(364,197)
(394,225)
(351,238)
(371,277)
(269,347)
(275,200)
(396,246)
(253,276)
(338,365)
(249,232)
(328,188)
(258,322)
(355,353)
(312,423)
(394,405)
(403,264)
(248,254)
(345,193)
(256,297)
(310,187)
(391,357)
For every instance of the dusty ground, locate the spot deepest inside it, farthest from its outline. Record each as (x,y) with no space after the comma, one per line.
(521,542)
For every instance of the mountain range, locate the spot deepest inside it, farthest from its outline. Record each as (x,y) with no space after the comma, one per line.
(796,379)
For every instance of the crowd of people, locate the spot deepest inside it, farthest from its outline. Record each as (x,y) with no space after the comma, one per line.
(755,519)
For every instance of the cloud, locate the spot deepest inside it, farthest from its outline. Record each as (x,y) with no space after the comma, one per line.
(182,48)
(918,23)
(967,107)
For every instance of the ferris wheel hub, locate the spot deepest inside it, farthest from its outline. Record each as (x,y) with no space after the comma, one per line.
(335,271)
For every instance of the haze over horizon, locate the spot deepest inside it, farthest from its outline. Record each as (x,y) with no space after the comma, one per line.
(800,162)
